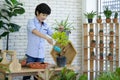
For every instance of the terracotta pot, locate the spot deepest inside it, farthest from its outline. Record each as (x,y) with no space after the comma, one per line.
(101,45)
(92,44)
(38,65)
(91,33)
(100,33)
(99,20)
(115,20)
(93,57)
(111,45)
(108,20)
(23,63)
(110,58)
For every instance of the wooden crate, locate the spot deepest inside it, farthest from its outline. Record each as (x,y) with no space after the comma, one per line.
(13,64)
(70,53)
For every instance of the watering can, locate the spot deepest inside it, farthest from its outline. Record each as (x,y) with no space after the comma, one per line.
(57,49)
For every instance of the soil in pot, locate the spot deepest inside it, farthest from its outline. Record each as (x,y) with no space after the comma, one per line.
(61,61)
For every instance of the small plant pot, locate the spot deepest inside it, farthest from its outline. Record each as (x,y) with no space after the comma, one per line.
(100,33)
(110,58)
(91,33)
(115,20)
(93,57)
(101,57)
(99,20)
(108,20)
(61,61)
(111,45)
(90,20)
(92,44)
(101,45)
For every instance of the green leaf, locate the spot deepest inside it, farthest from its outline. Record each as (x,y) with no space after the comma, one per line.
(19,10)
(14,27)
(8,2)
(4,34)
(1,24)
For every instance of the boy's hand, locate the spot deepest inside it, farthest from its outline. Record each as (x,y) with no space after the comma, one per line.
(50,41)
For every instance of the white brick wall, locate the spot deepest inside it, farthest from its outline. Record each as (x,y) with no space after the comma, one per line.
(60,10)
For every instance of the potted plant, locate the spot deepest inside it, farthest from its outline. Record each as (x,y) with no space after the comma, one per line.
(90,16)
(101,32)
(111,32)
(110,56)
(99,20)
(62,40)
(101,44)
(93,43)
(64,26)
(111,44)
(101,55)
(115,19)
(92,55)
(107,14)
(91,32)
(11,9)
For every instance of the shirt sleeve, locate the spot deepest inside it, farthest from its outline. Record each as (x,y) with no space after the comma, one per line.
(30,25)
(49,31)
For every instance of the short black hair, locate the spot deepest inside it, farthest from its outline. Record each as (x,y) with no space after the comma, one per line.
(42,8)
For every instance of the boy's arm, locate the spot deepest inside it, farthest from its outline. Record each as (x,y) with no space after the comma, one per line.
(37,33)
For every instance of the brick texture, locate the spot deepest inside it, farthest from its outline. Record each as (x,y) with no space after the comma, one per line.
(60,10)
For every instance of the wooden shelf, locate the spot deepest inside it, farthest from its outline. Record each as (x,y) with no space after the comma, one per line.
(91,65)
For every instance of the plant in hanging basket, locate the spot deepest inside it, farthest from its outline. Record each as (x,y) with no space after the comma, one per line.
(110,56)
(101,32)
(62,41)
(101,44)
(91,32)
(101,55)
(108,14)
(92,43)
(99,20)
(111,44)
(115,19)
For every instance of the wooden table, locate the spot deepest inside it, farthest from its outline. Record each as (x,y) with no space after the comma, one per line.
(29,71)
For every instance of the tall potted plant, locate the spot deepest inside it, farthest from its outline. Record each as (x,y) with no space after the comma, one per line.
(115,19)
(12,8)
(90,16)
(61,41)
(107,14)
(64,26)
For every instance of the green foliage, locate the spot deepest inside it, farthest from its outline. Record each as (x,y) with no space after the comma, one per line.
(99,16)
(61,38)
(83,77)
(101,41)
(91,30)
(116,15)
(107,13)
(93,41)
(12,8)
(65,74)
(108,76)
(64,24)
(90,15)
(101,30)
(110,54)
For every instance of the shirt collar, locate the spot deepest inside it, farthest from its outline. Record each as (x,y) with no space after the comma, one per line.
(36,20)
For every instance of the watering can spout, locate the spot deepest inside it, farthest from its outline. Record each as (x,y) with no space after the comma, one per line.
(57,49)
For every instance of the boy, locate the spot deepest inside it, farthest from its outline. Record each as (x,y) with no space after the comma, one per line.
(37,31)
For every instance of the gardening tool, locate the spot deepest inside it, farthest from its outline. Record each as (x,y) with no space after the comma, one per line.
(57,49)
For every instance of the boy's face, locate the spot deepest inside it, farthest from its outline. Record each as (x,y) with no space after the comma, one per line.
(41,17)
